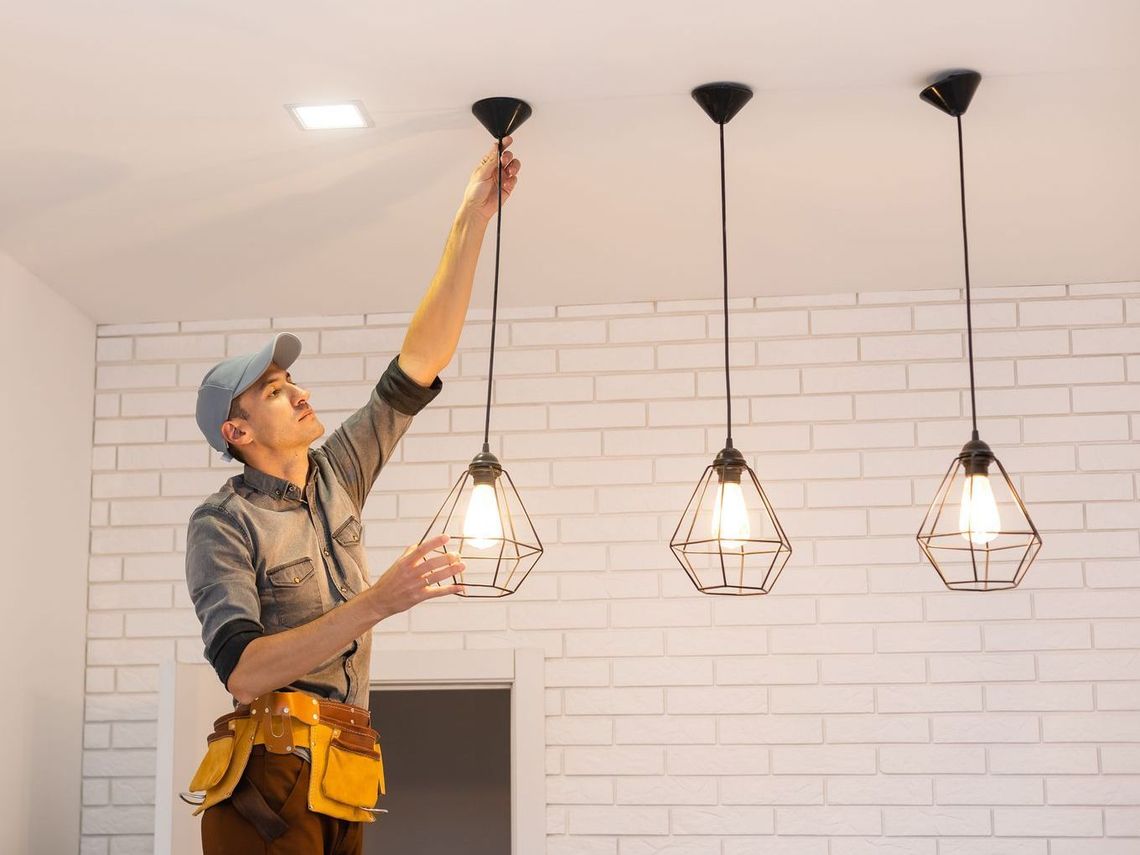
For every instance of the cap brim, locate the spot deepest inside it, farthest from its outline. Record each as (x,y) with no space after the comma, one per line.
(283,351)
(286,349)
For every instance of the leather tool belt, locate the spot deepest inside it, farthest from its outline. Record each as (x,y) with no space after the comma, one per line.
(347,770)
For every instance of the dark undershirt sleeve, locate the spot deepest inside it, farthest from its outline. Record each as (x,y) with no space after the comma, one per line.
(404,393)
(228,645)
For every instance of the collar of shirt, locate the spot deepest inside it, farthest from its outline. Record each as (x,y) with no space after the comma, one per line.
(279,488)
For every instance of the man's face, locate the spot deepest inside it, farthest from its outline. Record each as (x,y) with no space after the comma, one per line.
(277,413)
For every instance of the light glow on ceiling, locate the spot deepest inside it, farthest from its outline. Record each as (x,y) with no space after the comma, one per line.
(321,117)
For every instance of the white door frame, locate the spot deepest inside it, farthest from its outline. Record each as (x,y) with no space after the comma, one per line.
(522,670)
(190,698)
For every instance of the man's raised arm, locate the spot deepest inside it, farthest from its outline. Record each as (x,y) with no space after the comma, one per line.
(433,333)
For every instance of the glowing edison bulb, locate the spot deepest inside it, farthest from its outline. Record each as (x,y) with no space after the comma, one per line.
(482,527)
(730,516)
(978,519)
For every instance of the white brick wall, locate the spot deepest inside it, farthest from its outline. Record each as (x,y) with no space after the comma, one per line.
(859,709)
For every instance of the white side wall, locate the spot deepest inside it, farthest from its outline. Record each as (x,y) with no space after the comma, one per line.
(47,354)
(861,708)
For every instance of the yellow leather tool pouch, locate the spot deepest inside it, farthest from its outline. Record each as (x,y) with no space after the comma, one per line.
(227,753)
(348,772)
(219,750)
(354,775)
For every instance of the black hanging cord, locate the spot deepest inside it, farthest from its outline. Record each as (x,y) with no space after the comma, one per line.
(724,254)
(966,261)
(494,303)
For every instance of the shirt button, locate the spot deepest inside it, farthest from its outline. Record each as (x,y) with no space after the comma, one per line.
(325,553)
(343,589)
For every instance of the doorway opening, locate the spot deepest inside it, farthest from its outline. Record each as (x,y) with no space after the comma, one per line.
(447,754)
(468,682)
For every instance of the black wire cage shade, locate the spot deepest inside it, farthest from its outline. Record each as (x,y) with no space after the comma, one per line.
(729,540)
(489,527)
(977,532)
(483,515)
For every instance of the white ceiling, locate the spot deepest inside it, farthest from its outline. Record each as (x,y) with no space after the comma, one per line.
(148,170)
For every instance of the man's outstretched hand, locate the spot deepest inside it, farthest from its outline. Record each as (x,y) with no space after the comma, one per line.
(414,578)
(482,196)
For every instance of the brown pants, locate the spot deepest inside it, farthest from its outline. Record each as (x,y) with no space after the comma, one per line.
(283,781)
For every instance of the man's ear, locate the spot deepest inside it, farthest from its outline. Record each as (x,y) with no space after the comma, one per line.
(234,434)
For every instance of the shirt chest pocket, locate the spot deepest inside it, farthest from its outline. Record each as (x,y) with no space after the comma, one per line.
(348,533)
(293,593)
(348,538)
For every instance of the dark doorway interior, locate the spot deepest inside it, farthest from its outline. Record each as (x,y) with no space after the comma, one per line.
(447,759)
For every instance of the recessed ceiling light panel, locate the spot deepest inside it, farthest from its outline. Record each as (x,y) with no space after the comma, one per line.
(321,117)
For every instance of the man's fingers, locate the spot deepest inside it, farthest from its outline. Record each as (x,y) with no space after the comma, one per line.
(444,573)
(432,564)
(488,165)
(443,591)
(415,553)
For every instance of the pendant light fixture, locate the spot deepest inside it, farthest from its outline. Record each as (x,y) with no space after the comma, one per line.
(483,514)
(729,540)
(977,532)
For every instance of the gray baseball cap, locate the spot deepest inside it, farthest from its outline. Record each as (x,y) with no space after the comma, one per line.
(228,379)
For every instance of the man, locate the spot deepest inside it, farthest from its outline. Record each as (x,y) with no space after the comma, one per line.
(277,571)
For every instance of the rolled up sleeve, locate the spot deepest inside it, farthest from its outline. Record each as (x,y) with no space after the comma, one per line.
(223,587)
(360,447)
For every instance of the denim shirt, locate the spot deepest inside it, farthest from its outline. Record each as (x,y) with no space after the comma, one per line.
(264,556)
